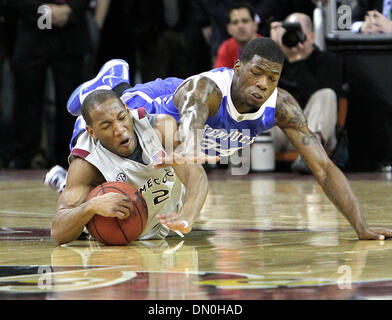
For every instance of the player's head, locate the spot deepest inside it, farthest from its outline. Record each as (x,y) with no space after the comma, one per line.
(241,23)
(257,72)
(109,120)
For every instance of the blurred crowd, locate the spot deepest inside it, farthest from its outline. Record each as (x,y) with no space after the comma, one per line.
(44,57)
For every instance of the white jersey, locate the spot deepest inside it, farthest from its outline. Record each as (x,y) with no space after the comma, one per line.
(161,188)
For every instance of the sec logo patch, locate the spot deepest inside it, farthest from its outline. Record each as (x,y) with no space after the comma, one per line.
(121,177)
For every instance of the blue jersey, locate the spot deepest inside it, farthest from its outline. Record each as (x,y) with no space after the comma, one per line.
(224,133)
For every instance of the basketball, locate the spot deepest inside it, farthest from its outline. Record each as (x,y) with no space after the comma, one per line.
(114,231)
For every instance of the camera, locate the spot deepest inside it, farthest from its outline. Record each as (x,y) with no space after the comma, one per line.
(293,34)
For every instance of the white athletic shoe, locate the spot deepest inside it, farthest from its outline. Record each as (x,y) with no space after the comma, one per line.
(56,178)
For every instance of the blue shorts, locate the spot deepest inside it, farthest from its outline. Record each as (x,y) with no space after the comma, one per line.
(155,96)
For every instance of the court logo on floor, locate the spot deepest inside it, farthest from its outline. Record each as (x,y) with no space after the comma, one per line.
(43,279)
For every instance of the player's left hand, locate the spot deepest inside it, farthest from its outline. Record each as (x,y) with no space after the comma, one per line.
(375,234)
(175,221)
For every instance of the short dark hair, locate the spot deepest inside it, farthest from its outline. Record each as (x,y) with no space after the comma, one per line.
(242,5)
(263,47)
(94,99)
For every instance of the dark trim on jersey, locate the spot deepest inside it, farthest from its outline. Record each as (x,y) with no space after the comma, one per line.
(141,112)
(80,153)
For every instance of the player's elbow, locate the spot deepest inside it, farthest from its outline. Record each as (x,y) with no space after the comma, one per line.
(58,235)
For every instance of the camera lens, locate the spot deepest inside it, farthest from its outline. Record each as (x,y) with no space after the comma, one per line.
(293,34)
(290,39)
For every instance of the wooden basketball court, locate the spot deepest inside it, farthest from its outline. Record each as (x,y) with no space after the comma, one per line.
(260,236)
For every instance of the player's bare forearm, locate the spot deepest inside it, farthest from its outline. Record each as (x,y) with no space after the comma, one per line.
(338,190)
(70,219)
(290,118)
(73,212)
(196,183)
(195,100)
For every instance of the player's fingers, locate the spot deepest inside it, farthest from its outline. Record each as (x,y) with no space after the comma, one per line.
(201,159)
(181,225)
(162,162)
(120,214)
(165,221)
(372,236)
(385,232)
(185,227)
(172,218)
(166,214)
(125,211)
(126,203)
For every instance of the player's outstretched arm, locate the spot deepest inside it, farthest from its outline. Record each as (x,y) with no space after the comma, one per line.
(73,213)
(196,183)
(291,120)
(195,100)
(192,176)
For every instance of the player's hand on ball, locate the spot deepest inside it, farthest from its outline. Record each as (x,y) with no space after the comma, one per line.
(375,234)
(175,221)
(112,205)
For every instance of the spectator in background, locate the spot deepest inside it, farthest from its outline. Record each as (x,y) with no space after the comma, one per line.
(8,23)
(131,32)
(314,78)
(60,42)
(96,16)
(372,16)
(197,49)
(3,55)
(242,26)
(172,45)
(216,32)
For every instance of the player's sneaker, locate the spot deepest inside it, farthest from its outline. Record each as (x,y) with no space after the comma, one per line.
(56,178)
(79,128)
(112,73)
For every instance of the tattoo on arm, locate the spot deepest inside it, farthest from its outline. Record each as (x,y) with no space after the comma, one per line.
(193,104)
(310,138)
(288,113)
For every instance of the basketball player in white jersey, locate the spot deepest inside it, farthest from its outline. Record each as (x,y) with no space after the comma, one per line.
(121,145)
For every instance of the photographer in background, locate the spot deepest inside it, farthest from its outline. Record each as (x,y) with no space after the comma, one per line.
(313,77)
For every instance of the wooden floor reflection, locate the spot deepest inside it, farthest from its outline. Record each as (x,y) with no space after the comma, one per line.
(268,236)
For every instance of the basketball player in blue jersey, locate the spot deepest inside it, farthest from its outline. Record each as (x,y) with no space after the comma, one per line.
(231,107)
